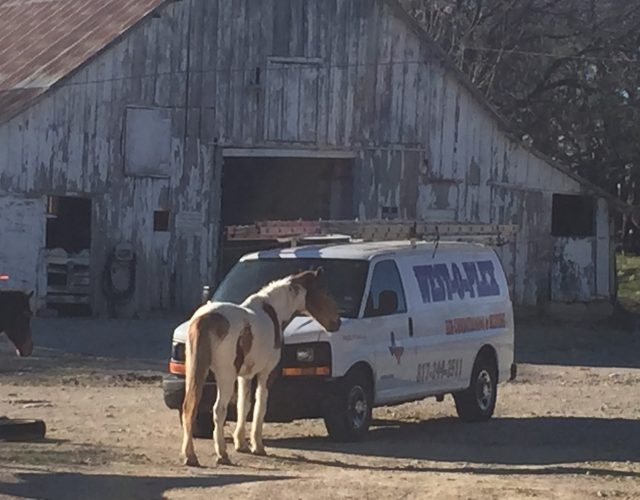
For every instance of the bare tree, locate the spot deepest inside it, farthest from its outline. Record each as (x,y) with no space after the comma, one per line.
(565,72)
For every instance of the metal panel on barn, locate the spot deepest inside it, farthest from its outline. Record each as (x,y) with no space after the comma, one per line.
(22,224)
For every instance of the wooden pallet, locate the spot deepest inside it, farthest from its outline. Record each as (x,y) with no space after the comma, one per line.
(68,277)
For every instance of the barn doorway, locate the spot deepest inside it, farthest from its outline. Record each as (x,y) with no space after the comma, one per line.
(67,255)
(255,189)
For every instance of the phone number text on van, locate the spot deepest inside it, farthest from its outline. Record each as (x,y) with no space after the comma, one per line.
(439,370)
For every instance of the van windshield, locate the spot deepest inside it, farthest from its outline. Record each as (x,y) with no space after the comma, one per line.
(345,278)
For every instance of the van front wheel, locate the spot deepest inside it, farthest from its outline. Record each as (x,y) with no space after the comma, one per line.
(476,404)
(348,414)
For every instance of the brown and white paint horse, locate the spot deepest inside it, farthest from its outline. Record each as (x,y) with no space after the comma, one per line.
(15,320)
(240,342)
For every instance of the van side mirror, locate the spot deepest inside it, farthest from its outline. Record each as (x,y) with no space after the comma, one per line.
(206,294)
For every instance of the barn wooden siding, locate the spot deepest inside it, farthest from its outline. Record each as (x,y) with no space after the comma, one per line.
(355,75)
(351,75)
(71,142)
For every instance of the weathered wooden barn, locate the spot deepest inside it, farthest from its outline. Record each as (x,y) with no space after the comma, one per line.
(147,125)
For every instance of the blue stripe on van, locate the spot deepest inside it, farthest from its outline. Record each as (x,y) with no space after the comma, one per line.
(444,282)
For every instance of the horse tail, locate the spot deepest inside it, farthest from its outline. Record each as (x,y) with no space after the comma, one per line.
(205,331)
(197,365)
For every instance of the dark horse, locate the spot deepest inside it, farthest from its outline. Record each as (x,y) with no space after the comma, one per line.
(15,320)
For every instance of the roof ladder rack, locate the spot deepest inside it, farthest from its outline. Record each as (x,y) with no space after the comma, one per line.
(373,230)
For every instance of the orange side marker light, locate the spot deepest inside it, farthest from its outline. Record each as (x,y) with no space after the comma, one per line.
(301,372)
(176,368)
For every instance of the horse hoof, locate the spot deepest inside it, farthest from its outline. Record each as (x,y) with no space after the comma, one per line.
(259,452)
(191,461)
(243,448)
(223,460)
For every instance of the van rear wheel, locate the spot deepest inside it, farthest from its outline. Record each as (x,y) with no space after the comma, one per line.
(477,403)
(348,415)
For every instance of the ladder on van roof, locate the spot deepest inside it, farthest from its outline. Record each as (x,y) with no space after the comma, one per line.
(373,230)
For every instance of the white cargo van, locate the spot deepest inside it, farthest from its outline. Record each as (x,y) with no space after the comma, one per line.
(418,320)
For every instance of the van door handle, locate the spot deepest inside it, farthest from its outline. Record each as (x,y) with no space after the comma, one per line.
(410,327)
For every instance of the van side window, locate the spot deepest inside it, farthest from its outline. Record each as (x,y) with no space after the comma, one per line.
(386,295)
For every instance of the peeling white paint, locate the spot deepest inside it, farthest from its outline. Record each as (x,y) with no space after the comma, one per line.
(573,270)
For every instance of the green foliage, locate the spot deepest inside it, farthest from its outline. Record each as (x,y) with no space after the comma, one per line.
(628,281)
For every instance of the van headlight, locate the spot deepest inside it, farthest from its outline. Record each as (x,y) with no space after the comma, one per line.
(305,355)
(307,359)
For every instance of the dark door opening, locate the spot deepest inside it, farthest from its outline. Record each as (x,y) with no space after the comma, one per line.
(255,189)
(68,242)
(573,228)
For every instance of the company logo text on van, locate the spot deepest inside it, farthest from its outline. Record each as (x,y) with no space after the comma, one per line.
(440,282)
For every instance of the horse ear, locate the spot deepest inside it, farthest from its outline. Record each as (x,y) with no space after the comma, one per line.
(304,278)
(321,278)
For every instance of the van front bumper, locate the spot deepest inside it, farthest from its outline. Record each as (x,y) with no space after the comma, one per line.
(290,398)
(173,390)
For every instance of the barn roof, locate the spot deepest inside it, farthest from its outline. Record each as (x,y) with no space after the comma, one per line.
(42,41)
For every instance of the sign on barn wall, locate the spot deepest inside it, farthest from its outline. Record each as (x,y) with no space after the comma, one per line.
(22,236)
(189,223)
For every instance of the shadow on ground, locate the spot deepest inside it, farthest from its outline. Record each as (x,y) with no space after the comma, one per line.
(148,339)
(72,485)
(65,345)
(145,344)
(63,367)
(501,441)
(549,341)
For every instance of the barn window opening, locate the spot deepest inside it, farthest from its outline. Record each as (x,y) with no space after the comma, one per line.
(67,256)
(161,220)
(572,216)
(69,223)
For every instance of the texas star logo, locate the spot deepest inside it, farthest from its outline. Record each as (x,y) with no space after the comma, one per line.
(396,350)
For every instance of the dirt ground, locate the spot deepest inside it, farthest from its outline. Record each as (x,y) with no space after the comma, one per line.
(568,427)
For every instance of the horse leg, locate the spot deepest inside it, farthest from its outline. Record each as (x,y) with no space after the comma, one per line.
(257,448)
(225,382)
(197,364)
(239,439)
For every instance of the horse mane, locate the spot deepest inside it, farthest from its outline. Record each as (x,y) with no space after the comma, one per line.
(270,287)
